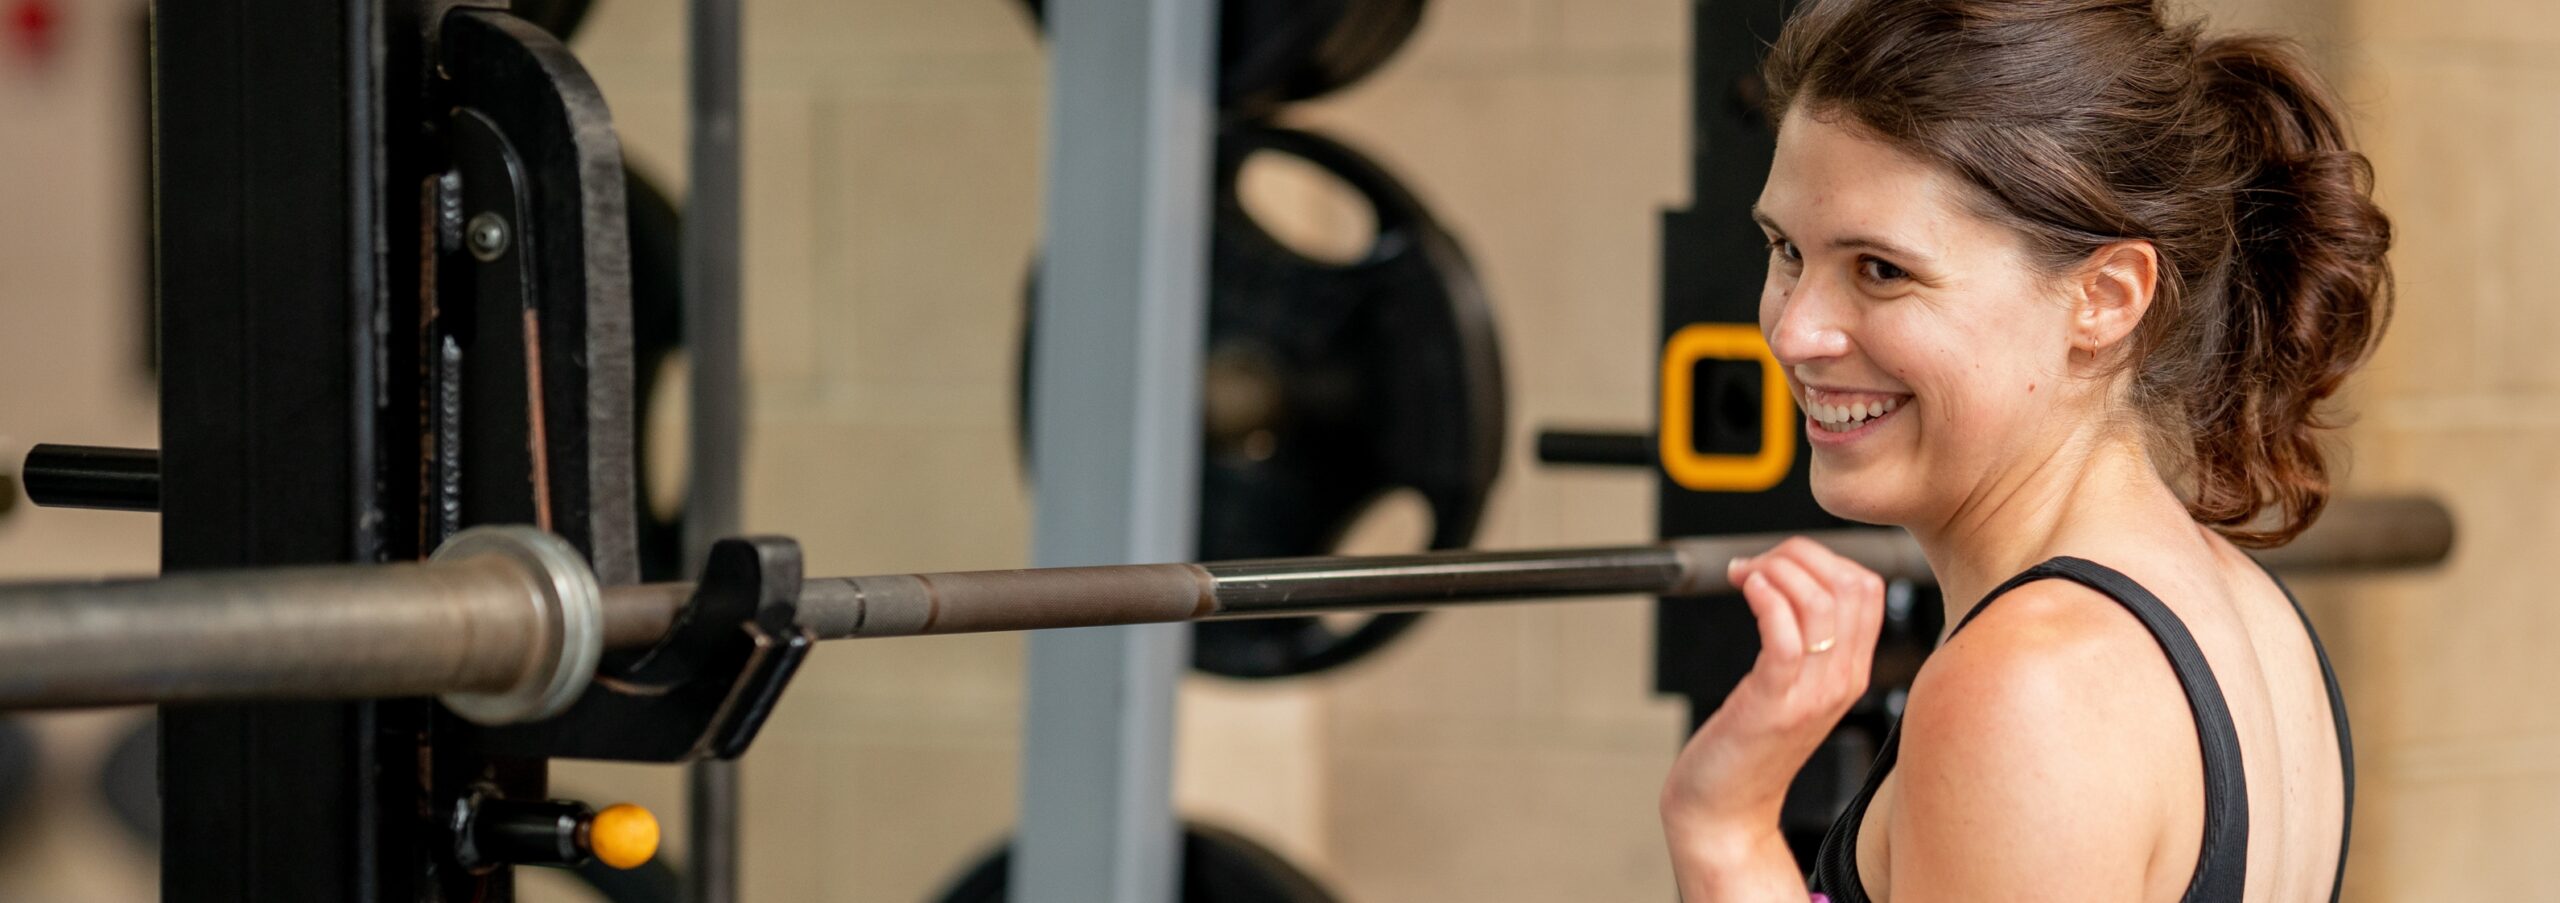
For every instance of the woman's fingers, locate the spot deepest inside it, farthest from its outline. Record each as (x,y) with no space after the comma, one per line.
(1834,608)
(1869,593)
(1834,599)
(1861,593)
(1781,638)
(1835,671)
(1816,613)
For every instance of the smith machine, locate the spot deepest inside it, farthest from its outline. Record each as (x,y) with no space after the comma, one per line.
(403,554)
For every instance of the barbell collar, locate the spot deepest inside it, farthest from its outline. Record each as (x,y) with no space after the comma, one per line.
(563,609)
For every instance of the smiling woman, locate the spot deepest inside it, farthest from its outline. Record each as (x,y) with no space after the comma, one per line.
(2062,287)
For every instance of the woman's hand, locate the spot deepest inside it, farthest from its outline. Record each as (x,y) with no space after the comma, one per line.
(1819,614)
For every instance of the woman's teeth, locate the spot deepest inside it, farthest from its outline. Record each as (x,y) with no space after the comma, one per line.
(1841,418)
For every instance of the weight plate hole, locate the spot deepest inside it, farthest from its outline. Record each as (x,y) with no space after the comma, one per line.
(1398,523)
(1307,209)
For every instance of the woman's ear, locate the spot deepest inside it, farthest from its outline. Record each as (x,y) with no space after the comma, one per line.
(2112,292)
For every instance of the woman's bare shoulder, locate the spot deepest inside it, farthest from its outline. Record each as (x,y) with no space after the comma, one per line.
(2042,740)
(2041,657)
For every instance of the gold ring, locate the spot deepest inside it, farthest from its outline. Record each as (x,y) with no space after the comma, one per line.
(1820,647)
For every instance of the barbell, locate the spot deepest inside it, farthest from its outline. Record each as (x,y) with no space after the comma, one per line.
(507,625)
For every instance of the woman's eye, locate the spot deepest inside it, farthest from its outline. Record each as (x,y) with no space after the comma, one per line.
(1880,271)
(1786,250)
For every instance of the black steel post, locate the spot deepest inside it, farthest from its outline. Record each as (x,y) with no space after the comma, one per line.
(278,176)
(1714,261)
(717,408)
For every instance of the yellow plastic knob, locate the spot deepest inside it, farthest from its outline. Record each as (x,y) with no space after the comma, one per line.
(623,836)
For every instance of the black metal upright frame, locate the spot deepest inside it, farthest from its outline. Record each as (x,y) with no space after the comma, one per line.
(1713,263)
(277,167)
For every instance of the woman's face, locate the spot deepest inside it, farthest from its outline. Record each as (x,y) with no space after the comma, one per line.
(1925,349)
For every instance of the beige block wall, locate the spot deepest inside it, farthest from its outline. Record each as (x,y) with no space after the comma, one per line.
(2448,677)
(891,192)
(72,369)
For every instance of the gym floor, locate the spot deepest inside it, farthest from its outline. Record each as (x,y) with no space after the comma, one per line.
(1507,754)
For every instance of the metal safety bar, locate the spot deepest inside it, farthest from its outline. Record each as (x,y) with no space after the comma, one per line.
(500,623)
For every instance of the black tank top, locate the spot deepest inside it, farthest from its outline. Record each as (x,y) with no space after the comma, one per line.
(2222,864)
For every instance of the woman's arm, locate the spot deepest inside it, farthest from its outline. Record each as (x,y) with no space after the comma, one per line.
(1818,617)
(1742,865)
(2042,750)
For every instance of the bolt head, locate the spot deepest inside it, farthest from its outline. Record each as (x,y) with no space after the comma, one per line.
(487,236)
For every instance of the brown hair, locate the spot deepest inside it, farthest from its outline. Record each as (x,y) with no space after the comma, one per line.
(2086,122)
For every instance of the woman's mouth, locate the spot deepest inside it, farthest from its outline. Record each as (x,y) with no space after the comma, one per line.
(1833,416)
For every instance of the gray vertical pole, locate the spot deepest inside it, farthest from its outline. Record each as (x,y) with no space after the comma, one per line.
(1122,287)
(717,404)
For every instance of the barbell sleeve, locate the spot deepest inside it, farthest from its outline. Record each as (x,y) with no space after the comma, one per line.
(505,622)
(2369,533)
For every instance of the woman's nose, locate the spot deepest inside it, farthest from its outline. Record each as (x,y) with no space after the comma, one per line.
(1808,328)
